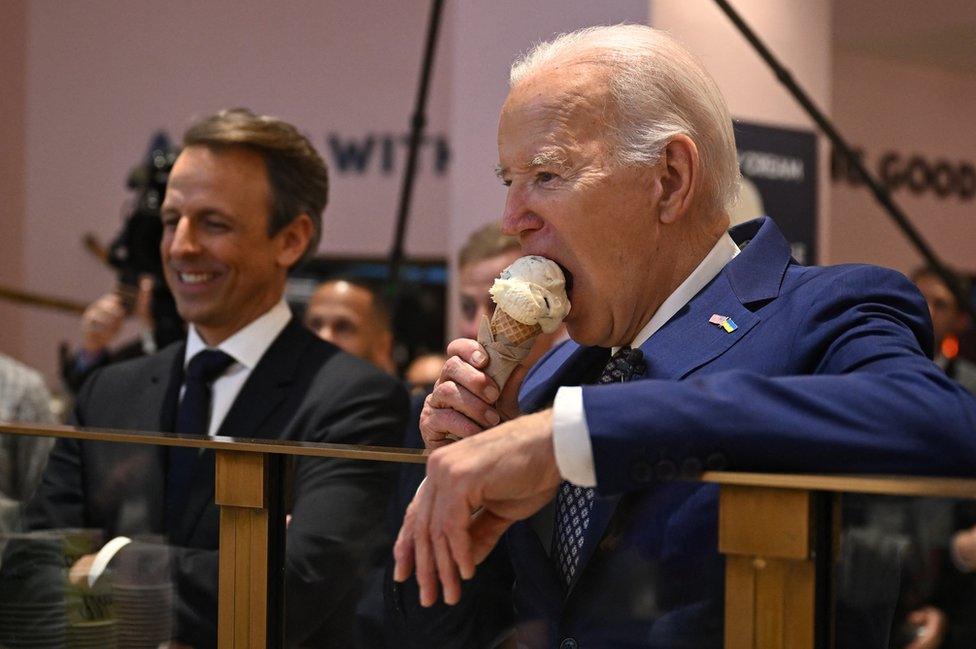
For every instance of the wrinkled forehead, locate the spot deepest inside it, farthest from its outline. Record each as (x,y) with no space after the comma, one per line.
(557,107)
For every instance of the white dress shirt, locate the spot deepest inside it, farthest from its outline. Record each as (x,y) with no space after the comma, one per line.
(570,434)
(246,347)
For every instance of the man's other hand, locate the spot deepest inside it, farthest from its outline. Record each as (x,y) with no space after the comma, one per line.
(474,491)
(101,322)
(80,569)
(931,625)
(465,401)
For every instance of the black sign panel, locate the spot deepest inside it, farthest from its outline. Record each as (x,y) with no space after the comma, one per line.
(779,170)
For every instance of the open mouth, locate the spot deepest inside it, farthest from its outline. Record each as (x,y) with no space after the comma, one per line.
(193,279)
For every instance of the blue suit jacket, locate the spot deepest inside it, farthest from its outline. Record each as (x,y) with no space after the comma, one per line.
(827,372)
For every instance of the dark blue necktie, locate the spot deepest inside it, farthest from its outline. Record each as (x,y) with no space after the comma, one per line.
(192,418)
(575,504)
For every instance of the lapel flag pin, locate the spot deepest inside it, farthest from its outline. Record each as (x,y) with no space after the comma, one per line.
(723,321)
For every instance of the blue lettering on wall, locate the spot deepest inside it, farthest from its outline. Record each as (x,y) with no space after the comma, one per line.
(386,153)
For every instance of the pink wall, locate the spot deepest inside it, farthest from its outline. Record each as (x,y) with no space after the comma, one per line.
(911,110)
(13,21)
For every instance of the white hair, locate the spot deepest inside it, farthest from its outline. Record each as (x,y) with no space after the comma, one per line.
(659,90)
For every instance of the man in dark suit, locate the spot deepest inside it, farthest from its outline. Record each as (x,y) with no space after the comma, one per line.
(243,205)
(617,151)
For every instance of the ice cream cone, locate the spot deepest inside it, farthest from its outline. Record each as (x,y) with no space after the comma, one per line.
(532,288)
(504,355)
(515,332)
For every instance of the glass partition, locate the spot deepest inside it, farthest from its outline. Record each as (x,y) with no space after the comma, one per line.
(904,572)
(289,544)
(89,560)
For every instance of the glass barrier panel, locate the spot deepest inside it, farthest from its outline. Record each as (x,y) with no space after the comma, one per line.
(904,573)
(651,576)
(93,558)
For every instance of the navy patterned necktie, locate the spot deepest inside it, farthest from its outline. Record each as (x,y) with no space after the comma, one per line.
(193,417)
(575,504)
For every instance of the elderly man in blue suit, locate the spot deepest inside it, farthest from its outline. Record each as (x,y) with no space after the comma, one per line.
(692,348)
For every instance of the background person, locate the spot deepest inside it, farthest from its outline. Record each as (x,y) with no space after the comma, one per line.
(351,316)
(949,320)
(23,399)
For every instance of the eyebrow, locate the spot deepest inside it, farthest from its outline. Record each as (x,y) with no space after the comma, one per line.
(549,156)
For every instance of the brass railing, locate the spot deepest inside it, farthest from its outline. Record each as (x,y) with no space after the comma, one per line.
(773,528)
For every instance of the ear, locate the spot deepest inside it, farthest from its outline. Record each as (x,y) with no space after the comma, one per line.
(293,239)
(680,168)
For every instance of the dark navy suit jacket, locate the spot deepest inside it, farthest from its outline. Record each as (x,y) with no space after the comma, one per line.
(302,389)
(828,371)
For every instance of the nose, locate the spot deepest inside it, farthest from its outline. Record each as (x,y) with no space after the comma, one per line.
(519,219)
(183,240)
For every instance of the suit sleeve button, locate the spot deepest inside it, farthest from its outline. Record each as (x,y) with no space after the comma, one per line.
(569,643)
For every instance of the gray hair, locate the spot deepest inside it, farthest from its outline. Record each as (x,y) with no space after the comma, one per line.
(659,90)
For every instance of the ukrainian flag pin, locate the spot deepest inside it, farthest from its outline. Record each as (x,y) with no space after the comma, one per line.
(723,321)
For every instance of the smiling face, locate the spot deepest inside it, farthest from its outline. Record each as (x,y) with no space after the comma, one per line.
(220,263)
(570,201)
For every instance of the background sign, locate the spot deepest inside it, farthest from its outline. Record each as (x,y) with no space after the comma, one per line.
(779,171)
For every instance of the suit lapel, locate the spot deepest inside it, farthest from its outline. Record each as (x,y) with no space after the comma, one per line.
(688,340)
(167,379)
(267,386)
(569,364)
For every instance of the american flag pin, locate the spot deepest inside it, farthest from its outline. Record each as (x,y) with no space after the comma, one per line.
(723,321)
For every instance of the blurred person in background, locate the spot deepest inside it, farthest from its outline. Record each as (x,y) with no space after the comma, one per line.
(350,315)
(24,399)
(101,324)
(949,320)
(140,291)
(945,583)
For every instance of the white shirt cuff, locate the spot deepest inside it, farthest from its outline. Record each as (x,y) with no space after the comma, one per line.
(571,438)
(105,555)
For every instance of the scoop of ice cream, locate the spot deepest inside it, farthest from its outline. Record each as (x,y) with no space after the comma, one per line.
(533,291)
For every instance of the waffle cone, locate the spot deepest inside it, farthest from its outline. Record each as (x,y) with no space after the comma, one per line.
(506,327)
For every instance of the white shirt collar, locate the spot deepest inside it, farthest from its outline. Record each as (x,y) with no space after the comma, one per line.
(721,253)
(248,345)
